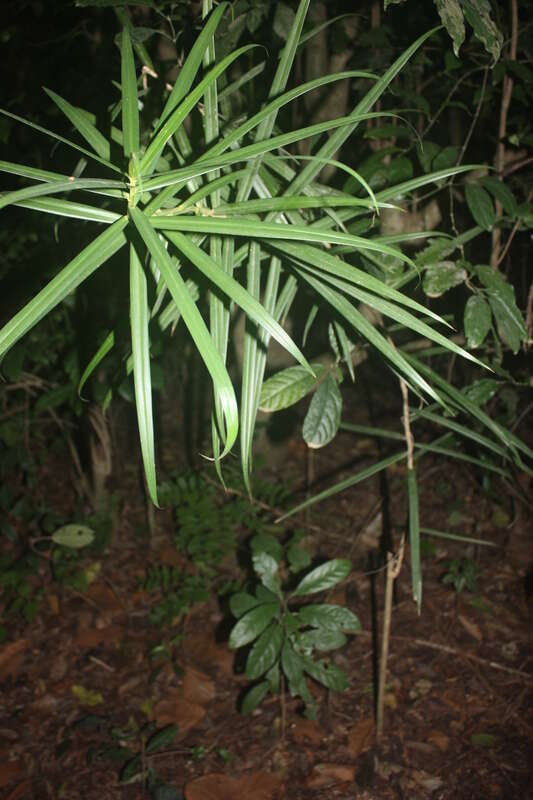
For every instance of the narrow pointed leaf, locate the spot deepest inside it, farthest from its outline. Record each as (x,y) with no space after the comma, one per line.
(70,277)
(130,102)
(10,198)
(221,381)
(67,208)
(238,294)
(90,132)
(106,347)
(59,138)
(414,537)
(140,347)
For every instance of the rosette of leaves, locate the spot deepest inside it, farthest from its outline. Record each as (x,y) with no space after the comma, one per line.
(285,636)
(186,212)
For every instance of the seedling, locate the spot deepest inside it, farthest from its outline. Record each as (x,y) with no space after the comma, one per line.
(285,636)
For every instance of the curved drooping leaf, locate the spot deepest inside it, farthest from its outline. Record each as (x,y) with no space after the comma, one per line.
(140,348)
(90,132)
(323,417)
(222,385)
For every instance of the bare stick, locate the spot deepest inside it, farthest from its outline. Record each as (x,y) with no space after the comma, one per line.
(394,565)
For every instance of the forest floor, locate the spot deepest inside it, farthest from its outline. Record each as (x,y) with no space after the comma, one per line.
(81,696)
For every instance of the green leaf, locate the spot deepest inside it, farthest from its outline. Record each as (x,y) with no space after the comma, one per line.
(502,193)
(73,536)
(90,132)
(441,276)
(161,738)
(322,420)
(477,320)
(67,208)
(509,322)
(241,602)
(291,662)
(287,387)
(477,13)
(236,292)
(265,651)
(140,346)
(266,543)
(323,577)
(106,346)
(481,206)
(452,18)
(414,537)
(56,187)
(322,640)
(222,385)
(70,277)
(252,624)
(330,676)
(130,102)
(330,617)
(266,568)
(483,739)
(254,697)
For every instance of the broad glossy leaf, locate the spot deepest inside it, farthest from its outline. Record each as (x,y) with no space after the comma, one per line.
(323,577)
(266,567)
(73,536)
(478,15)
(509,322)
(323,417)
(70,277)
(330,617)
(252,624)
(328,675)
(477,318)
(140,347)
(266,543)
(501,192)
(221,381)
(322,640)
(291,662)
(241,602)
(288,387)
(265,651)
(414,537)
(481,206)
(441,276)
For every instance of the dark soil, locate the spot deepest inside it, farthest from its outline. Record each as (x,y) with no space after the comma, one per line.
(79,687)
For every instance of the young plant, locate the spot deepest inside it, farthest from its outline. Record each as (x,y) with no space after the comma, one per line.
(285,635)
(185,212)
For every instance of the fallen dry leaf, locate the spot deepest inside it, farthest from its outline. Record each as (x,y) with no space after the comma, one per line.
(11,658)
(105,598)
(198,687)
(471,627)
(203,650)
(217,786)
(307,730)
(20,792)
(324,774)
(94,636)
(361,736)
(439,739)
(175,709)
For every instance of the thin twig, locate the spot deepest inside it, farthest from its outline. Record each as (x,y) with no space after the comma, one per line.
(394,565)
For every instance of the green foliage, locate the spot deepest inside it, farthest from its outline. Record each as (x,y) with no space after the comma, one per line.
(461,574)
(285,635)
(177,592)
